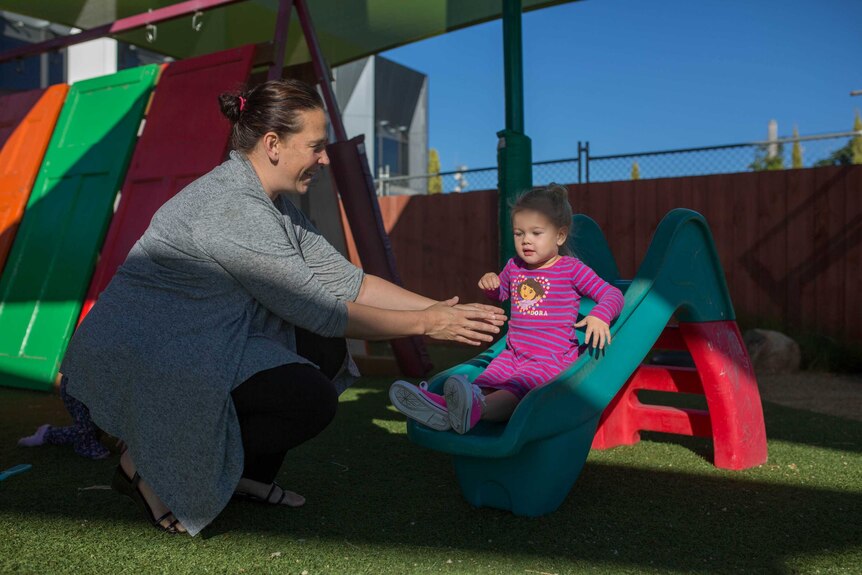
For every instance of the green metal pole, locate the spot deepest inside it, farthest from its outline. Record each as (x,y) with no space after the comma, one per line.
(514,149)
(513,65)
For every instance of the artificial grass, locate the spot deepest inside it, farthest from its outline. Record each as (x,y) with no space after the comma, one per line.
(378,504)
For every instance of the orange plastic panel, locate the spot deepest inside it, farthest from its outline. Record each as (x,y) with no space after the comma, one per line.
(27,121)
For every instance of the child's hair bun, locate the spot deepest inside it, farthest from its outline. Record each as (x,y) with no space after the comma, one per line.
(558,191)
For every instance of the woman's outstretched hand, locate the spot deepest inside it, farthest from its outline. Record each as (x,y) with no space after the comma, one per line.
(472,323)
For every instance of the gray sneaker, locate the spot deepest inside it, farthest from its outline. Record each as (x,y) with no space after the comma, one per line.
(419,404)
(465,401)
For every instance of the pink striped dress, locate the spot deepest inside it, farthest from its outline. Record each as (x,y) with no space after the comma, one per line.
(542,341)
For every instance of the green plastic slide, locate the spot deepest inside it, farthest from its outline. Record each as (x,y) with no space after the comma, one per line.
(52,259)
(529,465)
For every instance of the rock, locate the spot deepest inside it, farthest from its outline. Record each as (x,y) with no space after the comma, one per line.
(772,351)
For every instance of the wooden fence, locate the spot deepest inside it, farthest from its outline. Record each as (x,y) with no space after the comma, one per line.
(790,241)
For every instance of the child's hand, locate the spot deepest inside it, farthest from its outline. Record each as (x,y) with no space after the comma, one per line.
(597,330)
(489,281)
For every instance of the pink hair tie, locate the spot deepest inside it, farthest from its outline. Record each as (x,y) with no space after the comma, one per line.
(241,103)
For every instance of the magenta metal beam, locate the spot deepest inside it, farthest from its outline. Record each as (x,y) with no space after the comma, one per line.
(321,70)
(279,41)
(123,25)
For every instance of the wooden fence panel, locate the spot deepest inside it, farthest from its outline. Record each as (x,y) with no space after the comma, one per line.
(767,257)
(790,241)
(853,267)
(831,289)
(720,221)
(800,219)
(622,198)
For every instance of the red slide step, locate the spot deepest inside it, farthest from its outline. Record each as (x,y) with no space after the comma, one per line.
(723,374)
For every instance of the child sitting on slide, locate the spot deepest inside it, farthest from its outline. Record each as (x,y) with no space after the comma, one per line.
(545,285)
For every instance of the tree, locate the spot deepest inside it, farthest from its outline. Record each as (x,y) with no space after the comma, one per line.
(851,153)
(856,142)
(636,171)
(796,153)
(435,183)
(763,161)
(769,156)
(840,157)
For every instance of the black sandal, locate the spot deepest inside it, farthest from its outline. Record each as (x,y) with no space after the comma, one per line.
(264,500)
(130,488)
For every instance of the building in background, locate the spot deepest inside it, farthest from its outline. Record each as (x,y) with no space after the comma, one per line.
(30,73)
(388,103)
(70,65)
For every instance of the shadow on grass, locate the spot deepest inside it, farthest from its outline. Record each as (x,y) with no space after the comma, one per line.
(782,424)
(369,488)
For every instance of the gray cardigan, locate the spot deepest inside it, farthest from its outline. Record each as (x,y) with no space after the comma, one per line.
(206,298)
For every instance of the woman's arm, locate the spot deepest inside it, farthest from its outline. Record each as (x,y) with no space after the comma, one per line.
(381,294)
(444,320)
(264,262)
(377,292)
(340,277)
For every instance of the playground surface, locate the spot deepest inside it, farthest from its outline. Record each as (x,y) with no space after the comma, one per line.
(379,504)
(827,393)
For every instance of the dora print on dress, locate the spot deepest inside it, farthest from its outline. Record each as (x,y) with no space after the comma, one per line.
(529,292)
(542,341)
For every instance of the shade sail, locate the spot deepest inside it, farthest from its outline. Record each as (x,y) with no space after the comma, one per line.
(347,29)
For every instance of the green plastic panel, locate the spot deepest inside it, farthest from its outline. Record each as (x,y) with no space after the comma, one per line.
(52,259)
(588,243)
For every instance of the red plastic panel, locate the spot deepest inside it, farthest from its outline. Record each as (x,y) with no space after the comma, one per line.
(625,417)
(738,430)
(185,137)
(13,109)
(27,121)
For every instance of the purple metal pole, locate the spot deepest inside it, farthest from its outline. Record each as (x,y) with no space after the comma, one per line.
(123,25)
(321,70)
(356,187)
(279,42)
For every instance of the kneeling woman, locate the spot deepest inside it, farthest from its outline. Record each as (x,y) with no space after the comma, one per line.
(218,346)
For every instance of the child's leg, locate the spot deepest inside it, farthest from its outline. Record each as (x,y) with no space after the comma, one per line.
(49,434)
(499,404)
(83,435)
(467,401)
(37,439)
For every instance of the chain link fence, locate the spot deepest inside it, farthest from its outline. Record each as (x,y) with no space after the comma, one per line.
(447,182)
(779,154)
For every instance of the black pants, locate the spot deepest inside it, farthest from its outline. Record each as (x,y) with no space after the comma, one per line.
(285,406)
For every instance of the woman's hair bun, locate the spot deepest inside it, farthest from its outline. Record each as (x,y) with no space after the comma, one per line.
(230,106)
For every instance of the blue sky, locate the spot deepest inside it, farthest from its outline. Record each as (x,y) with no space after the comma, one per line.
(640,75)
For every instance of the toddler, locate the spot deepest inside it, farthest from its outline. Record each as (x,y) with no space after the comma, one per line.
(545,285)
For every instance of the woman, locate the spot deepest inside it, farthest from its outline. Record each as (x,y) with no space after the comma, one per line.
(208,352)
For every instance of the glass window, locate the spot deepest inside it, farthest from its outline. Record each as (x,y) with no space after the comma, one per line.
(391,156)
